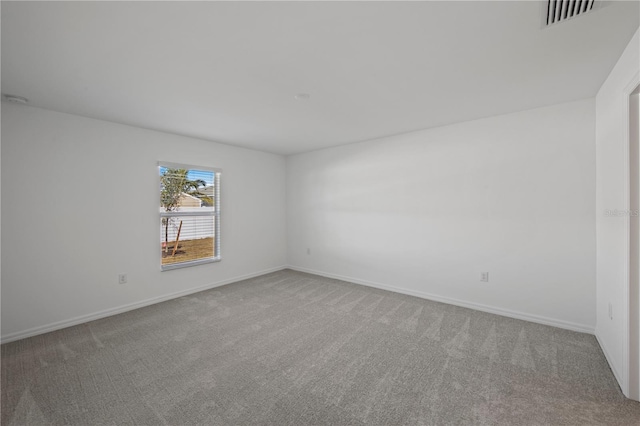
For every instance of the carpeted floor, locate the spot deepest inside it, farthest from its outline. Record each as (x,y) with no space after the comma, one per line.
(289,348)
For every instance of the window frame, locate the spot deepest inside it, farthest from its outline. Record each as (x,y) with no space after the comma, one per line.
(215,214)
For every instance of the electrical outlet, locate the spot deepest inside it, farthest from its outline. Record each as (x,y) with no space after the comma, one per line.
(122,278)
(484,276)
(308,250)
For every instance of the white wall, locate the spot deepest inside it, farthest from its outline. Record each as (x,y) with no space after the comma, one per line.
(58,265)
(426,212)
(611,194)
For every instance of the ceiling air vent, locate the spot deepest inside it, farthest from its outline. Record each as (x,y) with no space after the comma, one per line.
(562,10)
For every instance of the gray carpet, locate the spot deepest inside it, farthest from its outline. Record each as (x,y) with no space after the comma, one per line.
(289,348)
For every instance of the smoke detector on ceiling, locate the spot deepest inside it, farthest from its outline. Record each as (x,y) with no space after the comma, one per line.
(556,11)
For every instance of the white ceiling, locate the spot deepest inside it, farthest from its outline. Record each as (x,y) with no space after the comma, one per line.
(228,72)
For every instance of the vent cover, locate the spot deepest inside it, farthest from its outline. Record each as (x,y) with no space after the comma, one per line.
(562,10)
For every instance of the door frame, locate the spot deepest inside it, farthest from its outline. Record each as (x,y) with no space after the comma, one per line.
(629,385)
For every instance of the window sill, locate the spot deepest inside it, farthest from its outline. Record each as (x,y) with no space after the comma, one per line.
(181,265)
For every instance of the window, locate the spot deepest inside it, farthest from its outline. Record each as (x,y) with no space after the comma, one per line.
(189,215)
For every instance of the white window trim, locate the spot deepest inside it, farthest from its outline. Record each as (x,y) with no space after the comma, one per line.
(215,213)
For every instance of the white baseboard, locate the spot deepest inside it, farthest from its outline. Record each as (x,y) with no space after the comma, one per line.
(124,308)
(451,301)
(131,306)
(616,374)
